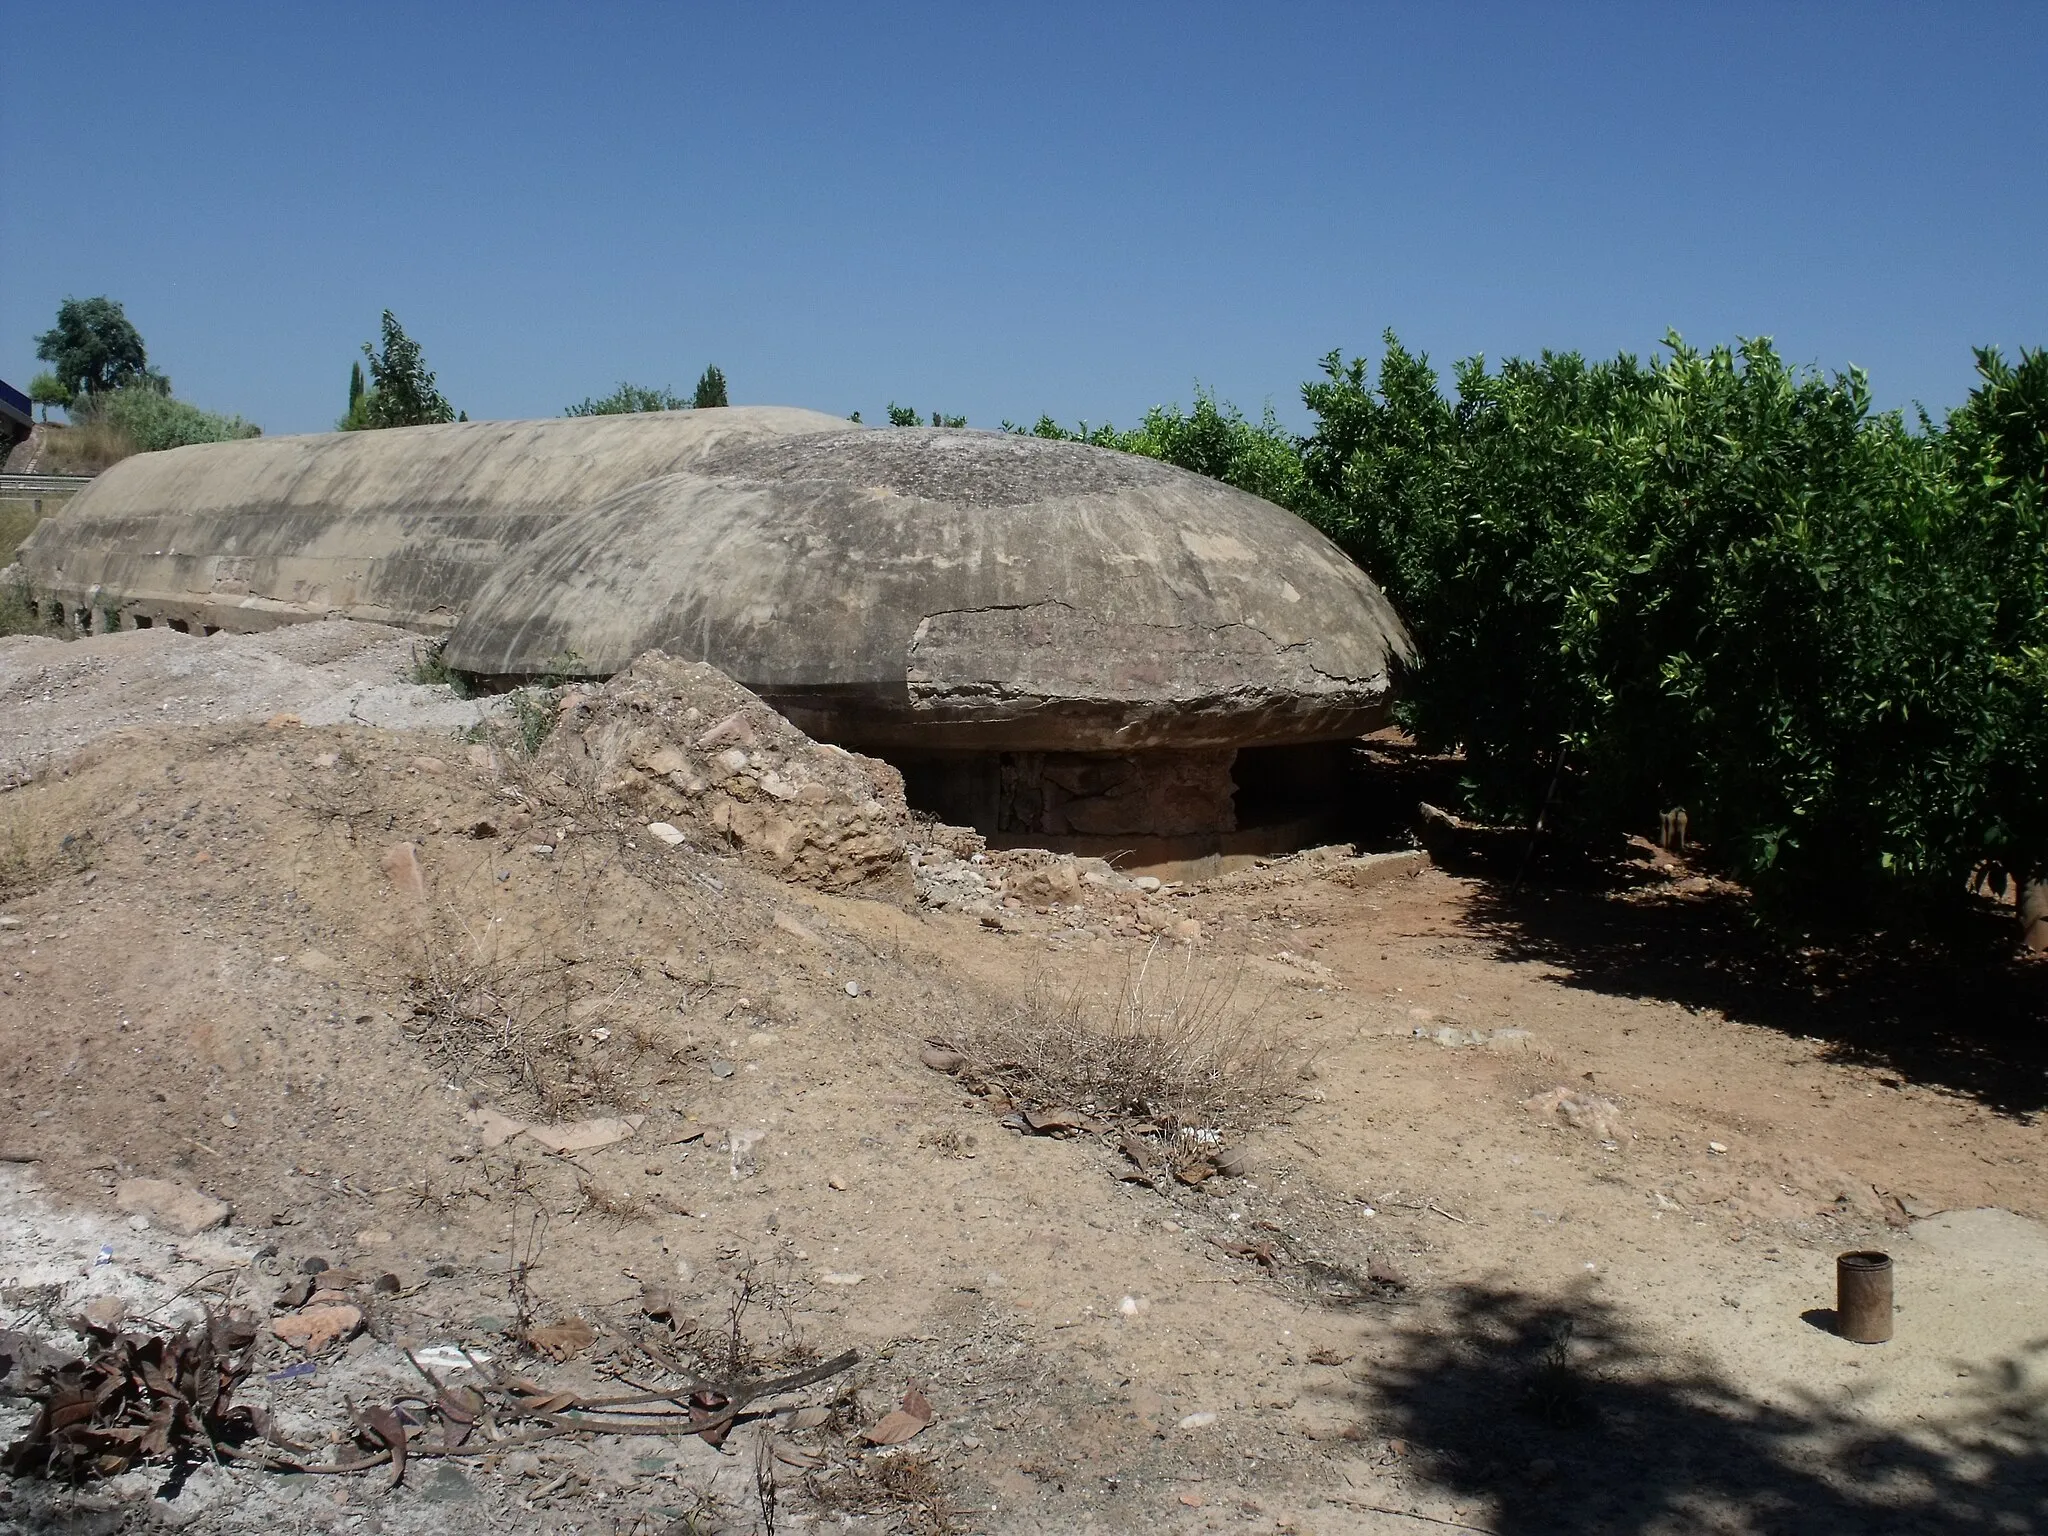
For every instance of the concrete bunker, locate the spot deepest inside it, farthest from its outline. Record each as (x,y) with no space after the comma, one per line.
(1057,644)
(395,527)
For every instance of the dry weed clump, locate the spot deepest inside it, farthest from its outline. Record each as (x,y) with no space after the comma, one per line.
(84,448)
(32,854)
(18,615)
(1177,1047)
(522,1023)
(905,1484)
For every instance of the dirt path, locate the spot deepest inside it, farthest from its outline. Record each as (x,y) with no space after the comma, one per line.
(1531,1248)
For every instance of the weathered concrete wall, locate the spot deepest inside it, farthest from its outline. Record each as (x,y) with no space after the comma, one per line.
(926,589)
(397,527)
(25,500)
(1085,794)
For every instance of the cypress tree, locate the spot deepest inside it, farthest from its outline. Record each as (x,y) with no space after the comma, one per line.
(355,386)
(710,389)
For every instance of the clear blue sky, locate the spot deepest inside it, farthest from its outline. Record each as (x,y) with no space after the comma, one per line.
(1084,210)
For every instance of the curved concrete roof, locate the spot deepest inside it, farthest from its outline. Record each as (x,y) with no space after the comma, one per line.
(937,588)
(397,526)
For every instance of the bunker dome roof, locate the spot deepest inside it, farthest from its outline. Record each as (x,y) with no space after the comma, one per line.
(398,526)
(931,588)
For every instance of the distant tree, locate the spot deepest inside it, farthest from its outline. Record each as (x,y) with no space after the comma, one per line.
(629,399)
(358,417)
(1214,439)
(46,390)
(355,385)
(711,389)
(905,416)
(93,348)
(401,391)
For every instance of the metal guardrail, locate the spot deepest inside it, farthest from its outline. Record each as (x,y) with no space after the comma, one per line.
(42,485)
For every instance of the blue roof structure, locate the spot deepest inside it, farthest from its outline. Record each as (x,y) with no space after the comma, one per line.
(15,406)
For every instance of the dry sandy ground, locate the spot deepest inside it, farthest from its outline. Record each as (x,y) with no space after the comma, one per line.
(1435,1301)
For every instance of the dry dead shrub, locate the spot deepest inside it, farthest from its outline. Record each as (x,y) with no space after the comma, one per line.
(906,1484)
(490,1012)
(84,448)
(611,1202)
(1178,1045)
(32,853)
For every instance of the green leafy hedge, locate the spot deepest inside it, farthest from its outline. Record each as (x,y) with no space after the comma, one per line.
(1707,580)
(154,420)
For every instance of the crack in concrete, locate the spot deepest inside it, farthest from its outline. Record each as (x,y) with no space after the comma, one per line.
(1294,649)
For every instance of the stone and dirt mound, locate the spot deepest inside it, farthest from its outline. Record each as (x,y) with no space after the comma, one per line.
(689,750)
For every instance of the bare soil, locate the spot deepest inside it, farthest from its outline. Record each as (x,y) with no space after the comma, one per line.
(1540,1236)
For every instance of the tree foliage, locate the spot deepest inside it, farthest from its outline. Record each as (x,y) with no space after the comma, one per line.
(401,390)
(46,390)
(1714,581)
(1707,580)
(629,399)
(93,348)
(710,389)
(1213,439)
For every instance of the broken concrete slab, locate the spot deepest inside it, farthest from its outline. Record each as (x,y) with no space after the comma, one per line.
(585,1135)
(176,1207)
(401,865)
(494,1129)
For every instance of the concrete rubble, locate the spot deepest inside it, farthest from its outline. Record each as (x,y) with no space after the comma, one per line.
(689,750)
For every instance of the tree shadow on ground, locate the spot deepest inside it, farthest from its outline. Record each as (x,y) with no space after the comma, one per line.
(1562,1421)
(1956,1011)
(1966,1018)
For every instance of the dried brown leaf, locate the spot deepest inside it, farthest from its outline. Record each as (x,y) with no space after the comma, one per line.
(795,1456)
(894,1428)
(385,1425)
(561,1340)
(901,1424)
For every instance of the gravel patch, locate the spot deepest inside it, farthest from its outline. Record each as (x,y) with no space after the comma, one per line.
(59,695)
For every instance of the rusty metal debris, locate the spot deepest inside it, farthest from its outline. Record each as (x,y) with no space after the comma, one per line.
(506,1411)
(154,1397)
(1863,1296)
(1263,1252)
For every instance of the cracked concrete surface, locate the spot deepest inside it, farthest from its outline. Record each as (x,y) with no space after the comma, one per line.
(939,589)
